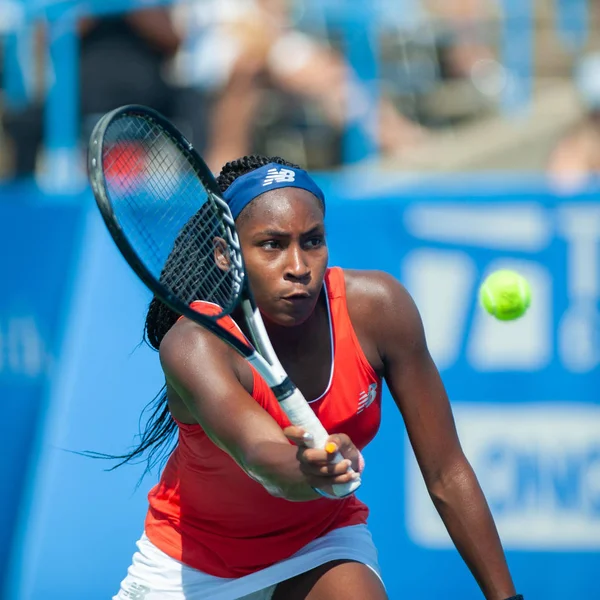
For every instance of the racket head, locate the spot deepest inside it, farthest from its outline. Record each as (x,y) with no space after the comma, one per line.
(163,208)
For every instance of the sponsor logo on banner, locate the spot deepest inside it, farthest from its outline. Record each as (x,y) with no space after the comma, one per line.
(539,467)
(453,272)
(23,350)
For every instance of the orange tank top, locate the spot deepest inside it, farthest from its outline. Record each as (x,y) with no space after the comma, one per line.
(206,512)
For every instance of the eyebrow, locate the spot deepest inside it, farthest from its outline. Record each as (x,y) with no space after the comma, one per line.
(275,233)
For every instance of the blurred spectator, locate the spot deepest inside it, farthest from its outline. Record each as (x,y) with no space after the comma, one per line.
(121,62)
(576,157)
(465,31)
(22,124)
(122,58)
(242,71)
(438,59)
(234,49)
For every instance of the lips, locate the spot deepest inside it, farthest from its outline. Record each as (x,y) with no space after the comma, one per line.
(297,297)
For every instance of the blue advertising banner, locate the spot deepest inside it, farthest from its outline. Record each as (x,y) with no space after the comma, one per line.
(524,394)
(38,246)
(80,530)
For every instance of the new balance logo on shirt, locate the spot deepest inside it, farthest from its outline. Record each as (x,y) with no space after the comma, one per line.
(278,175)
(365,399)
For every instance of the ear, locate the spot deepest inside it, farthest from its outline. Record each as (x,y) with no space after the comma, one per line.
(221,254)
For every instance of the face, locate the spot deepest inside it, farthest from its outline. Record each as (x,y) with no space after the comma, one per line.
(283,241)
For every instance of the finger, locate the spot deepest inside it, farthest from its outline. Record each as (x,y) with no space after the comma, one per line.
(341,445)
(335,443)
(341,441)
(321,457)
(293,430)
(344,477)
(322,482)
(298,436)
(312,456)
(331,448)
(334,469)
(325,469)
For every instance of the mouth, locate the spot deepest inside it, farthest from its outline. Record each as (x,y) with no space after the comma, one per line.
(297,297)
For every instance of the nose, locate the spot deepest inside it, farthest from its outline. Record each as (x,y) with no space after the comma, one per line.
(297,267)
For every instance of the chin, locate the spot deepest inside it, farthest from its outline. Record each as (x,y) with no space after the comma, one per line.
(294,321)
(286,319)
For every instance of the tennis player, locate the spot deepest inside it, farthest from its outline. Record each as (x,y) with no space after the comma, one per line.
(240,512)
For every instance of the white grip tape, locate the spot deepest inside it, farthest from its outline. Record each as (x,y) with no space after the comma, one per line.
(301,415)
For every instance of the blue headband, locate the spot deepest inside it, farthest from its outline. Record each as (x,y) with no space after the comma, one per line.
(270,177)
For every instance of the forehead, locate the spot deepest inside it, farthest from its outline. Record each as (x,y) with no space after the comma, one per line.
(284,207)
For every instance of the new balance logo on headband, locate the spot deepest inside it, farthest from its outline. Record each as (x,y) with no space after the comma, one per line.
(278,175)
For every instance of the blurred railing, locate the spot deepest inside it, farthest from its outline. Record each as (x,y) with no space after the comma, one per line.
(386,41)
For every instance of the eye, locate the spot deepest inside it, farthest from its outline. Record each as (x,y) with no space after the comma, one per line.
(315,242)
(270,245)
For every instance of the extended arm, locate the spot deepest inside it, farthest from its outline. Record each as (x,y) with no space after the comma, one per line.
(205,373)
(417,389)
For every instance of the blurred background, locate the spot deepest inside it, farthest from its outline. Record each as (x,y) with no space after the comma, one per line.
(452,137)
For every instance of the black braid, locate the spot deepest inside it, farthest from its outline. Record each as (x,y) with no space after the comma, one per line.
(160,318)
(158,436)
(234,169)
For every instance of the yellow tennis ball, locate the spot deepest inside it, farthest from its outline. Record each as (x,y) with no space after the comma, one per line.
(505,294)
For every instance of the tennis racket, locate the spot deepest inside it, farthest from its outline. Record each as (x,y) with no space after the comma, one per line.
(164,210)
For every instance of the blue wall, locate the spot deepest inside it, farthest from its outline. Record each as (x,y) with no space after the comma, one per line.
(525,394)
(38,246)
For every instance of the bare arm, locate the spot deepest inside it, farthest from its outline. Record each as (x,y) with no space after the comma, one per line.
(569,160)
(205,374)
(155,25)
(417,389)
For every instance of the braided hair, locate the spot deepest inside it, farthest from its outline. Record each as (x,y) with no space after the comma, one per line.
(160,318)
(157,440)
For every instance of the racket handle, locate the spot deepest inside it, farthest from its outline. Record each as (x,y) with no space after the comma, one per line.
(301,414)
(343,489)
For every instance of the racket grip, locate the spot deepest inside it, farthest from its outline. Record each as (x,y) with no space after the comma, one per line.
(301,414)
(344,489)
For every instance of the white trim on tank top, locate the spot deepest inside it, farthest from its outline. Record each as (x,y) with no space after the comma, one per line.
(331,341)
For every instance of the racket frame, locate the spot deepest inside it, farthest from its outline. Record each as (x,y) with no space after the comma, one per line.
(99,185)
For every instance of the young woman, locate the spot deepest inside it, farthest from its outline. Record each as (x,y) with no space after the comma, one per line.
(238,511)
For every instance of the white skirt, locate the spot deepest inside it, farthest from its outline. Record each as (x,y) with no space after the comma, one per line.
(153,575)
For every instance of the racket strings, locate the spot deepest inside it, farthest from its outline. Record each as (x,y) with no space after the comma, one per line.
(167,215)
(205,277)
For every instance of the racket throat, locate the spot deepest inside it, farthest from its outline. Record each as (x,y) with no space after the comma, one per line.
(284,390)
(258,333)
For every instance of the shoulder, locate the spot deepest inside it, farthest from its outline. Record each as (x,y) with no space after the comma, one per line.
(185,338)
(375,289)
(384,307)
(188,348)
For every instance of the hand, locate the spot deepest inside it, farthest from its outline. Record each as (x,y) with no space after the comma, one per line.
(317,464)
